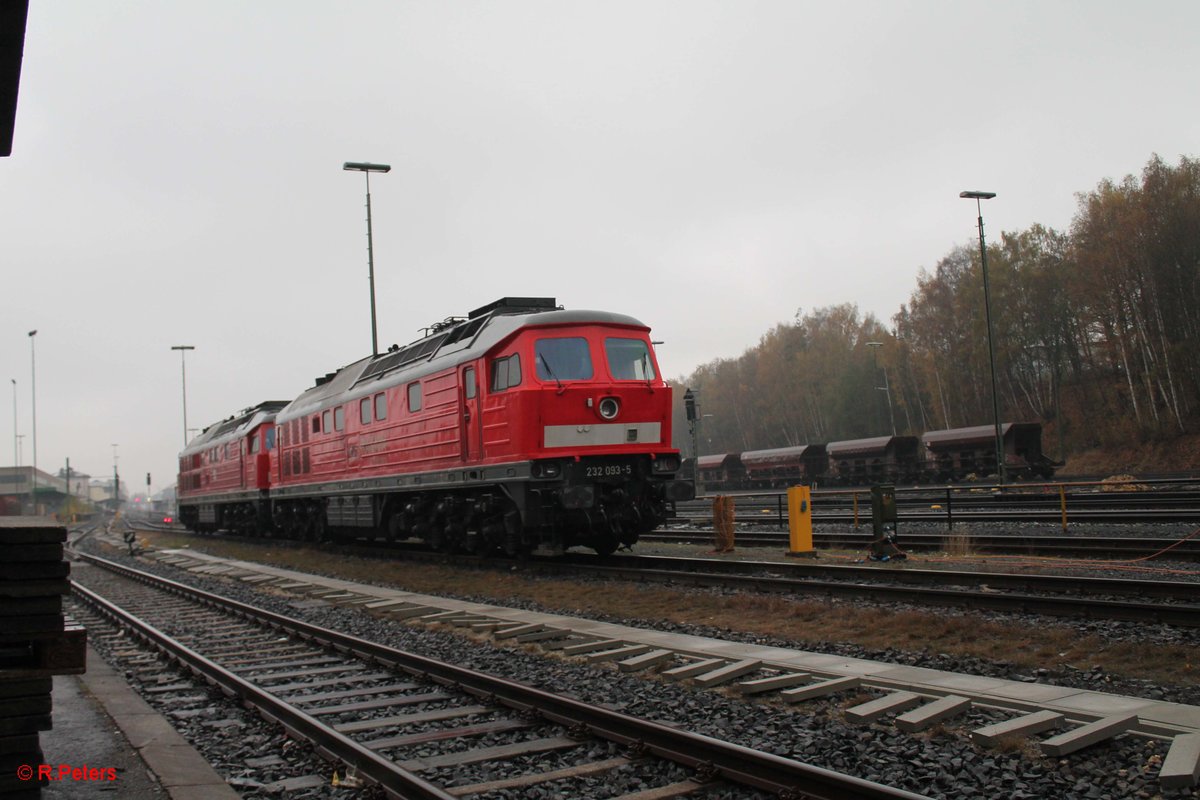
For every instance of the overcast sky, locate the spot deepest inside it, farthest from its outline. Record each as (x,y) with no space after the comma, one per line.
(707,167)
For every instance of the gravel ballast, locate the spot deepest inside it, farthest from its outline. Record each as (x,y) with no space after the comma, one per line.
(942,763)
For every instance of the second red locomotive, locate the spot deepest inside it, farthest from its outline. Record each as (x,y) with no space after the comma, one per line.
(523,427)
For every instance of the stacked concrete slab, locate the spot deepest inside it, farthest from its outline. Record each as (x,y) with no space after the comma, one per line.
(37,641)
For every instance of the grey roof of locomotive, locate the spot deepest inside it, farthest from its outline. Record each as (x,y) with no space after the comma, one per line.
(373,374)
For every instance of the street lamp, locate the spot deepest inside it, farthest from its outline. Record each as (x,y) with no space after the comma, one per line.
(886,388)
(33,389)
(366,169)
(116,479)
(14,383)
(978,197)
(183,348)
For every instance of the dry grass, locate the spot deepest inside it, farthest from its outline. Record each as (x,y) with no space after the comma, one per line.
(810,623)
(958,544)
(1014,744)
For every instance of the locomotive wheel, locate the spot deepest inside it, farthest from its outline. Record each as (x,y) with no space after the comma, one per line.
(605,545)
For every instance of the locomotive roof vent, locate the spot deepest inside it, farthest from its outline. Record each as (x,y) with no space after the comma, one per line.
(324,379)
(516,305)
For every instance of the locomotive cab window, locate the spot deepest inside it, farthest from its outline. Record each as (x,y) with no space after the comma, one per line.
(565,359)
(506,373)
(271,439)
(326,421)
(339,418)
(469,382)
(364,411)
(629,360)
(414,397)
(380,406)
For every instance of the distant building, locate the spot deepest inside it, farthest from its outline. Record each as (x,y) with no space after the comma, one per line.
(100,492)
(17,486)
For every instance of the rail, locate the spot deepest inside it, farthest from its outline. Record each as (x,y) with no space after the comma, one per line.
(708,756)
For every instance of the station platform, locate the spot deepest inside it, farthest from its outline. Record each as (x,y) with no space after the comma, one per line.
(107,742)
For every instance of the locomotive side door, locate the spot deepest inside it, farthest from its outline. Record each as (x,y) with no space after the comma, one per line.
(471,429)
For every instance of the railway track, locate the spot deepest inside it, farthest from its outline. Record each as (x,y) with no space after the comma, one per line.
(957,505)
(1004,709)
(1076,546)
(1164,602)
(358,702)
(1073,597)
(1072,546)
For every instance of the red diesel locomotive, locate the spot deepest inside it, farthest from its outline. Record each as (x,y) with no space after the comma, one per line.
(225,472)
(523,427)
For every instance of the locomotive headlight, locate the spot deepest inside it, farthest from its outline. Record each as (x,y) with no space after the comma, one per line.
(667,463)
(545,469)
(609,408)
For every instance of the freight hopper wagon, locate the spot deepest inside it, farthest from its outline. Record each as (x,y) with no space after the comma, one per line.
(524,427)
(782,467)
(879,459)
(957,453)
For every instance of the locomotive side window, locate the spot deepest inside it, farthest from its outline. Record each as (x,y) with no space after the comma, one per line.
(364,411)
(380,406)
(566,359)
(270,438)
(339,418)
(316,424)
(414,397)
(629,360)
(326,422)
(254,446)
(469,383)
(506,373)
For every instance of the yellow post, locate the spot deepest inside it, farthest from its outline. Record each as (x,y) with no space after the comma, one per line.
(800,522)
(1062,496)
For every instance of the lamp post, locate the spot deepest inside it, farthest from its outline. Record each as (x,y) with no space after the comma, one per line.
(33,390)
(979,197)
(366,169)
(14,383)
(116,480)
(183,348)
(886,388)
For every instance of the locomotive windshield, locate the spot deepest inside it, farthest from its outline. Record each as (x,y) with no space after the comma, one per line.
(565,359)
(629,360)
